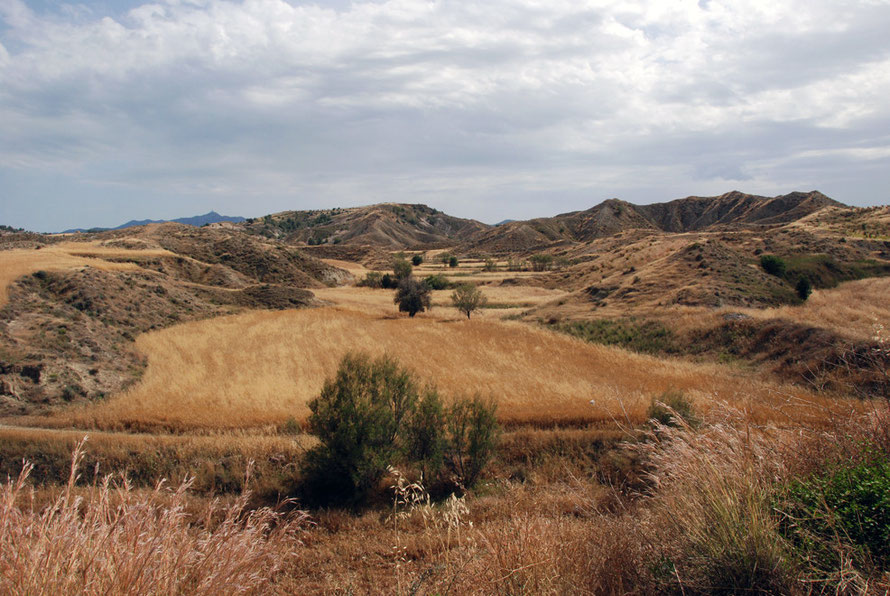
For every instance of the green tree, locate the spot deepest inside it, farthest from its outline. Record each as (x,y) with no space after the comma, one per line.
(416,260)
(804,288)
(401,269)
(541,262)
(412,296)
(468,298)
(453,262)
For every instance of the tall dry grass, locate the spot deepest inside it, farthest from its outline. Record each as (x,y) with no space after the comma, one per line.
(851,310)
(113,540)
(262,367)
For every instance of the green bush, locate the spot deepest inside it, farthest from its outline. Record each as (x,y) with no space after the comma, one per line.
(357,418)
(416,260)
(803,288)
(437,282)
(401,269)
(847,505)
(425,437)
(371,416)
(373,279)
(452,261)
(473,434)
(389,281)
(773,265)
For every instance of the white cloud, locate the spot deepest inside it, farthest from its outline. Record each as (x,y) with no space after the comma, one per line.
(305,104)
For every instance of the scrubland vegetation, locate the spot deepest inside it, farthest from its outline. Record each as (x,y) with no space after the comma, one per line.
(577,434)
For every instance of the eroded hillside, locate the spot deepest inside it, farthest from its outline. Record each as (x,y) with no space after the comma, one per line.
(74,309)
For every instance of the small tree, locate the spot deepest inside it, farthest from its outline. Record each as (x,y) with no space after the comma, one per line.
(357,418)
(541,262)
(412,296)
(468,298)
(401,269)
(490,265)
(416,260)
(452,261)
(804,288)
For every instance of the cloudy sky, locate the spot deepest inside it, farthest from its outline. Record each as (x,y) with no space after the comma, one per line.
(117,109)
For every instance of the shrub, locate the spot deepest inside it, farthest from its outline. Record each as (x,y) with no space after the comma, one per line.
(437,282)
(473,434)
(371,416)
(416,260)
(773,265)
(389,281)
(452,261)
(401,269)
(357,418)
(541,262)
(804,288)
(467,298)
(490,265)
(412,296)
(373,279)
(847,504)
(425,437)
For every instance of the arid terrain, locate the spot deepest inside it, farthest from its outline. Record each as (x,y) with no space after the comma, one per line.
(184,351)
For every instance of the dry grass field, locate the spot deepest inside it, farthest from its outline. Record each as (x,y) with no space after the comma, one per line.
(260,368)
(69,255)
(852,309)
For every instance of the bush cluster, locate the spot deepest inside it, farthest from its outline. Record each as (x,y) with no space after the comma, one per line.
(373,415)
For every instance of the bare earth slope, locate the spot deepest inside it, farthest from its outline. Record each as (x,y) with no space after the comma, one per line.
(75,308)
(610,217)
(394,226)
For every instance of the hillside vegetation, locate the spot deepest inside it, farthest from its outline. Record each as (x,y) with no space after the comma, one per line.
(670,411)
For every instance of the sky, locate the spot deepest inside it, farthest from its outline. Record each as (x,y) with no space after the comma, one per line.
(118,109)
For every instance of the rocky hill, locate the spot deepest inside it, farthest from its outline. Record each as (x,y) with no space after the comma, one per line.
(387,225)
(67,334)
(691,214)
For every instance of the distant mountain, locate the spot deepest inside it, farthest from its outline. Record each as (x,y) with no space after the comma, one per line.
(197,221)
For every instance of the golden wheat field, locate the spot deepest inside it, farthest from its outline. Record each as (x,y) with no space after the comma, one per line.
(260,368)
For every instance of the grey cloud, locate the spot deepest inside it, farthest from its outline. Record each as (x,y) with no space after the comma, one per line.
(502,105)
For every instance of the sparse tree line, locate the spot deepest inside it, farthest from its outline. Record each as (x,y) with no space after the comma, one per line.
(414,295)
